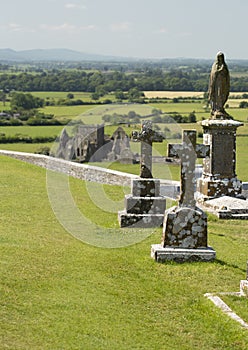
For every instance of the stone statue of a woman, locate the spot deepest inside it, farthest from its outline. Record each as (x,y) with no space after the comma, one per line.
(219,87)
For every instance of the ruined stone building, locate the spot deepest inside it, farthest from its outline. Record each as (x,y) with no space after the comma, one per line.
(91,144)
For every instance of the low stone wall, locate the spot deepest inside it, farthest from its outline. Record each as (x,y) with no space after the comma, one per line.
(86,172)
(80,171)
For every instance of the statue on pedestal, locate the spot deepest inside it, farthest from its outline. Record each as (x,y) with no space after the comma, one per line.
(219,87)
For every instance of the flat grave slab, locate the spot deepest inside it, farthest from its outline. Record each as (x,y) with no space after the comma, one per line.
(226,207)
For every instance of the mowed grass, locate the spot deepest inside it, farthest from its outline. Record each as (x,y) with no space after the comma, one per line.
(59,293)
(33,131)
(24,147)
(57,95)
(65,112)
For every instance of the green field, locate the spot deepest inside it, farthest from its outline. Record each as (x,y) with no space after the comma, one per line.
(32,131)
(60,293)
(93,115)
(24,147)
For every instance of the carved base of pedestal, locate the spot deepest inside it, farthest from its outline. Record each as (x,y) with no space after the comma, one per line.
(217,188)
(140,220)
(180,255)
(145,187)
(144,207)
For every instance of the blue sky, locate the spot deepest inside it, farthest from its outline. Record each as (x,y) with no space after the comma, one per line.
(130,28)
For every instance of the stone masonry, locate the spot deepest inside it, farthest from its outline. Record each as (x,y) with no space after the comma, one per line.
(219,168)
(144,207)
(185,226)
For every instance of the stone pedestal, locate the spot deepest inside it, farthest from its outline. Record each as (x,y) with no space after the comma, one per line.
(184,237)
(180,255)
(144,207)
(219,168)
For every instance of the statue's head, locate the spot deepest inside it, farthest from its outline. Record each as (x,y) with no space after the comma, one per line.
(220,56)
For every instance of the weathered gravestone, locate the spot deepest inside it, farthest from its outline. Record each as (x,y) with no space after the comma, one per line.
(185,226)
(244,285)
(144,207)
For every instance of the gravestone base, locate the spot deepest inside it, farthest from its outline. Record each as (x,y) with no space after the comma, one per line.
(216,188)
(144,207)
(151,205)
(162,254)
(244,288)
(148,187)
(226,207)
(184,237)
(140,220)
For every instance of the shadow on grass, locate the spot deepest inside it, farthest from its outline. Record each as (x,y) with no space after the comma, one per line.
(224,263)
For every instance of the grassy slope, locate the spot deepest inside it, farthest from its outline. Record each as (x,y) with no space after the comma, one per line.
(59,293)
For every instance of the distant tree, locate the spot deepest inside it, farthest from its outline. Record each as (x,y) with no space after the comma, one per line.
(95,96)
(243,104)
(25,101)
(119,95)
(70,96)
(135,95)
(100,90)
(157,119)
(3,97)
(192,117)
(131,114)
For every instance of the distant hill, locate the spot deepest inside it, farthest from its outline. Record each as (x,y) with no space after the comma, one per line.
(51,55)
(67,55)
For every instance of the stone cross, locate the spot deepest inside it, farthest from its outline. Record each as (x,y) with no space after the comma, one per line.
(147,136)
(188,151)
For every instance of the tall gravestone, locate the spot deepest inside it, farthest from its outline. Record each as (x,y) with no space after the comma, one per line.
(185,226)
(219,133)
(144,206)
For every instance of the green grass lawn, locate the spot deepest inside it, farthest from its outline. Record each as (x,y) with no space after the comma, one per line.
(59,293)
(56,95)
(24,147)
(65,112)
(32,131)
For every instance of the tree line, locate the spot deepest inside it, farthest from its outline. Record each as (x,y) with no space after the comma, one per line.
(102,82)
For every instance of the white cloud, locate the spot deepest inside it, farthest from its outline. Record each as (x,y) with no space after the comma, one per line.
(17,28)
(161,30)
(89,27)
(71,5)
(62,27)
(120,27)
(67,27)
(14,27)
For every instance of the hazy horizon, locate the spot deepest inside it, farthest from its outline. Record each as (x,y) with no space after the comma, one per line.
(130,28)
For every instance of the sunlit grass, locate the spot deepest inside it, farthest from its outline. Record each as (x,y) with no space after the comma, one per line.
(59,293)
